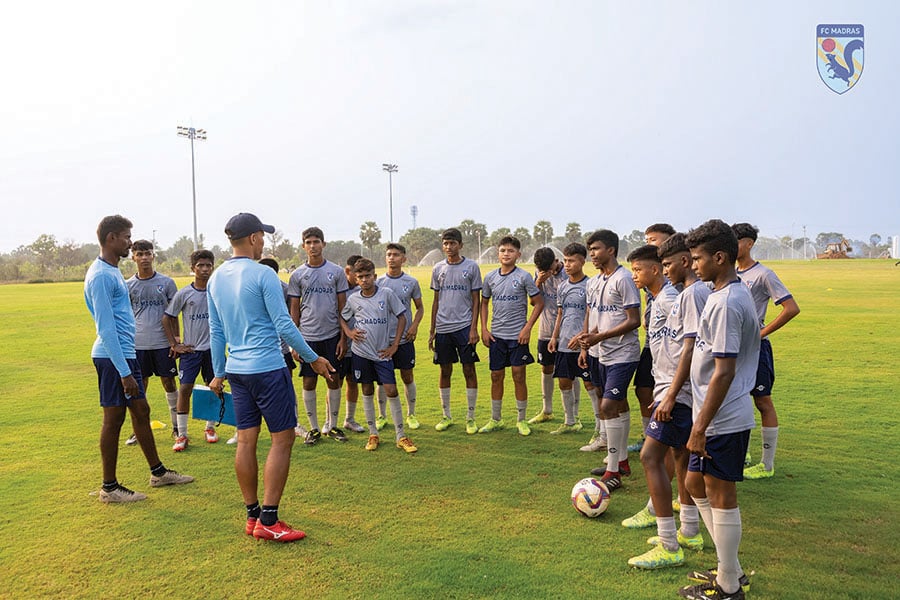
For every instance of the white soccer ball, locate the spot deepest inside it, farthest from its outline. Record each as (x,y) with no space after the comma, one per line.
(590,497)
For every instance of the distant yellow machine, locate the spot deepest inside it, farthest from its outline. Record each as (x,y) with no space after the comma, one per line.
(838,250)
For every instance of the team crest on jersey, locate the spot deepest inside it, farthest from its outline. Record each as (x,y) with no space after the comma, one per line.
(381,305)
(405,287)
(840,55)
(159,289)
(516,283)
(331,277)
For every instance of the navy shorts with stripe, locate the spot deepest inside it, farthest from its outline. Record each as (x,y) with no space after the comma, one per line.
(268,396)
(109,382)
(405,356)
(454,347)
(545,358)
(765,372)
(674,433)
(567,367)
(727,453)
(156,362)
(373,371)
(326,349)
(508,353)
(612,379)
(643,376)
(198,362)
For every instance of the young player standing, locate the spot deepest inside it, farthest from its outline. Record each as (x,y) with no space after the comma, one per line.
(509,289)
(764,284)
(549,277)
(376,311)
(610,347)
(571,304)
(247,314)
(723,371)
(346,369)
(115,360)
(407,288)
(317,291)
(150,294)
(193,349)
(456,282)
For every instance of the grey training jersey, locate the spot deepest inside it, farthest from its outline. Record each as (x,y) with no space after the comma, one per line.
(509,296)
(149,299)
(192,304)
(550,290)
(728,329)
(572,301)
(608,298)
(318,289)
(764,284)
(407,288)
(682,323)
(454,284)
(352,321)
(374,316)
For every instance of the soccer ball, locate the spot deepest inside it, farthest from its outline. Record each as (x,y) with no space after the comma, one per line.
(590,497)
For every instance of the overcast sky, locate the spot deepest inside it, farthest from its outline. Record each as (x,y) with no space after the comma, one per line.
(610,114)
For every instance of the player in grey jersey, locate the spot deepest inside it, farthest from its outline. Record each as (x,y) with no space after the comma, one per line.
(549,276)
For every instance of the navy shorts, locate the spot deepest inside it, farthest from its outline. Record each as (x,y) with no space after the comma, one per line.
(454,347)
(268,396)
(567,367)
(727,453)
(110,382)
(765,372)
(643,376)
(156,362)
(373,371)
(545,358)
(195,363)
(326,349)
(289,361)
(674,433)
(508,353)
(345,368)
(612,379)
(405,356)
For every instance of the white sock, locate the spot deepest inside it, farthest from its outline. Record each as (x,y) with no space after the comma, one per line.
(644,422)
(665,528)
(650,508)
(769,442)
(496,409)
(728,540)
(602,430)
(350,409)
(309,403)
(595,404)
(521,407)
(210,424)
(690,520)
(576,396)
(333,402)
(625,419)
(382,401)
(614,430)
(172,401)
(471,399)
(397,416)
(547,391)
(182,420)
(568,402)
(369,411)
(410,389)
(705,511)
(445,401)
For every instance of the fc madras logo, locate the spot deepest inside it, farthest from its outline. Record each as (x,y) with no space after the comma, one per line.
(840,55)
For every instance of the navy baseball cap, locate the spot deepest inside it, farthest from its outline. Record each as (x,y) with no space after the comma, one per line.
(243,224)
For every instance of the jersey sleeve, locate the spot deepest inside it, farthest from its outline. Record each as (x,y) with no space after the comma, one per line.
(395,304)
(216,338)
(416,290)
(476,277)
(530,288)
(101,289)
(341,285)
(691,307)
(778,292)
(349,312)
(631,297)
(176,304)
(725,325)
(486,286)
(171,289)
(435,284)
(293,289)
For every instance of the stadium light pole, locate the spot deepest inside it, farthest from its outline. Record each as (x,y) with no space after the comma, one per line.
(193,134)
(391,169)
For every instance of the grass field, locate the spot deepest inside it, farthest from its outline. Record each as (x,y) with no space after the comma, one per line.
(467,516)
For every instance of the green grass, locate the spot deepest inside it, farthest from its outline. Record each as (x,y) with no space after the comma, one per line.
(466,517)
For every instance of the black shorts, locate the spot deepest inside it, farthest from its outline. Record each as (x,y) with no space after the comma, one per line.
(289,361)
(765,372)
(110,382)
(545,358)
(674,433)
(326,349)
(643,376)
(454,347)
(726,456)
(612,380)
(405,356)
(508,353)
(567,367)
(156,362)
(198,362)
(373,371)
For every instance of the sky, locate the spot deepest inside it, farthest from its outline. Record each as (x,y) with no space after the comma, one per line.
(609,114)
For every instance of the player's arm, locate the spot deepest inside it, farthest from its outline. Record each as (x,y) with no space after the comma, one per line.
(413,330)
(295,310)
(476,312)
(434,312)
(789,310)
(682,373)
(390,350)
(486,336)
(721,379)
(173,334)
(357,335)
(101,290)
(342,343)
(557,325)
(632,321)
(273,297)
(537,307)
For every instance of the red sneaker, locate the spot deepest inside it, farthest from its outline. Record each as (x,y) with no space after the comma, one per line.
(279,532)
(624,468)
(251,525)
(611,480)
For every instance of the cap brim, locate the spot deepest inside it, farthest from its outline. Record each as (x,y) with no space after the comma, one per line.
(268,228)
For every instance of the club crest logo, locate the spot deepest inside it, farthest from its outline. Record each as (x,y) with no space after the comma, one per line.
(381,304)
(159,289)
(840,55)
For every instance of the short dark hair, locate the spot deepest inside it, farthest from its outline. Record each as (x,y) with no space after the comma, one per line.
(141,246)
(673,245)
(608,238)
(351,260)
(198,255)
(363,265)
(714,236)
(112,224)
(312,232)
(269,262)
(508,240)
(645,252)
(575,248)
(395,246)
(745,230)
(660,228)
(452,234)
(543,258)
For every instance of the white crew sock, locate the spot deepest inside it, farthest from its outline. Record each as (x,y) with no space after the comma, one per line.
(547,391)
(182,420)
(728,540)
(445,401)
(595,404)
(576,399)
(614,431)
(650,508)
(397,416)
(172,401)
(668,537)
(769,442)
(350,409)
(382,401)
(496,409)
(333,402)
(309,403)
(690,520)
(369,411)
(471,400)
(210,424)
(568,402)
(705,511)
(625,419)
(521,407)
(410,389)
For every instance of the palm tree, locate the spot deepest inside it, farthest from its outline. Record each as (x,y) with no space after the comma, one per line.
(369,235)
(543,232)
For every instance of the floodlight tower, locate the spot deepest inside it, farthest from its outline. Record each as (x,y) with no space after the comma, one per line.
(391,169)
(414,212)
(193,134)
